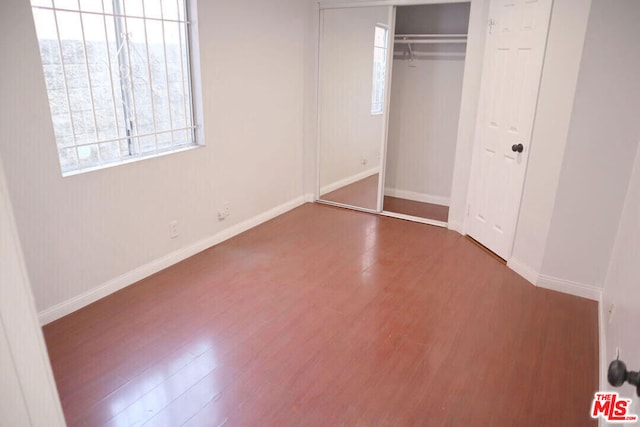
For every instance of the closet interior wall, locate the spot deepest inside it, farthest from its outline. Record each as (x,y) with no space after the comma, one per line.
(426,91)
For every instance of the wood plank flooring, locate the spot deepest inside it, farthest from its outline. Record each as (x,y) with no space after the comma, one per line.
(419,209)
(362,193)
(326,316)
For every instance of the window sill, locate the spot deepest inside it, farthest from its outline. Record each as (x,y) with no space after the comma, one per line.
(132,160)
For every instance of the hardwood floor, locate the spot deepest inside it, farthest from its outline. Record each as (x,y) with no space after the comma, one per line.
(419,209)
(363,193)
(326,316)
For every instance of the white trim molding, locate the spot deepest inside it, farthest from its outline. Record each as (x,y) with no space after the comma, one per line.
(523,270)
(456,226)
(348,180)
(570,287)
(417,197)
(66,307)
(414,219)
(553,283)
(602,345)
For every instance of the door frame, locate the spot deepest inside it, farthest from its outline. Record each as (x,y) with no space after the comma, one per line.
(387,103)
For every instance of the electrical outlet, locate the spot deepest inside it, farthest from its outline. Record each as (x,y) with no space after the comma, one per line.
(610,311)
(224,212)
(173,229)
(364,161)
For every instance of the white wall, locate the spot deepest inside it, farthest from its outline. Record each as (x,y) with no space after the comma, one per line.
(82,231)
(423,127)
(553,114)
(602,140)
(309,163)
(28,395)
(348,130)
(622,288)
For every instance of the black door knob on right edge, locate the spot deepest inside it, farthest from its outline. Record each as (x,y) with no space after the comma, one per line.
(517,148)
(617,374)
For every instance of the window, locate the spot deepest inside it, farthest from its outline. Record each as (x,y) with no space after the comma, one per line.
(379,69)
(118,78)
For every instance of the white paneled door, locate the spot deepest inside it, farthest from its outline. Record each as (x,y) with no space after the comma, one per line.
(514,53)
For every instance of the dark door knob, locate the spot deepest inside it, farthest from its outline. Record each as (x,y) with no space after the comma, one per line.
(618,374)
(517,148)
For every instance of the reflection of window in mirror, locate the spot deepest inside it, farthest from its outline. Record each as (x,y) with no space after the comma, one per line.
(379,69)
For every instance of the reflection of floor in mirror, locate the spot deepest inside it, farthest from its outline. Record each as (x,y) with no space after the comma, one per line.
(419,209)
(363,193)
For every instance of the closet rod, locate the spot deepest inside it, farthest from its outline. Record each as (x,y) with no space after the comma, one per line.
(418,55)
(431,35)
(429,41)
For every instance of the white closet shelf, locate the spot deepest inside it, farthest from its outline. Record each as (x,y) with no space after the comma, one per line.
(436,38)
(435,35)
(430,38)
(436,41)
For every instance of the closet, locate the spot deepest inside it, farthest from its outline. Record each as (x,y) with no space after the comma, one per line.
(426,90)
(390,91)
(390,86)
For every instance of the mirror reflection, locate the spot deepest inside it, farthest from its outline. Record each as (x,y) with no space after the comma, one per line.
(416,64)
(354,46)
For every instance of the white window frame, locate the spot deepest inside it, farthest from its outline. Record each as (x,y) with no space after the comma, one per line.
(378,83)
(190,79)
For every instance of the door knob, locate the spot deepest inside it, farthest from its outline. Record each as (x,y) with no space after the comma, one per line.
(517,148)
(618,374)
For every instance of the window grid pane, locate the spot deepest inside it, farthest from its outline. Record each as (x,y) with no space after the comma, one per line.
(118,78)
(379,69)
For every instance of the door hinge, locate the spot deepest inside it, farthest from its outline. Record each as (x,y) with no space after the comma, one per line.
(468,210)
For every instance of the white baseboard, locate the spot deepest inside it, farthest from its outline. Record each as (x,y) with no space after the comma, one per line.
(349,180)
(523,270)
(62,309)
(569,287)
(554,283)
(456,226)
(418,197)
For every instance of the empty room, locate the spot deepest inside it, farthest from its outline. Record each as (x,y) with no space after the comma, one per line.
(319,212)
